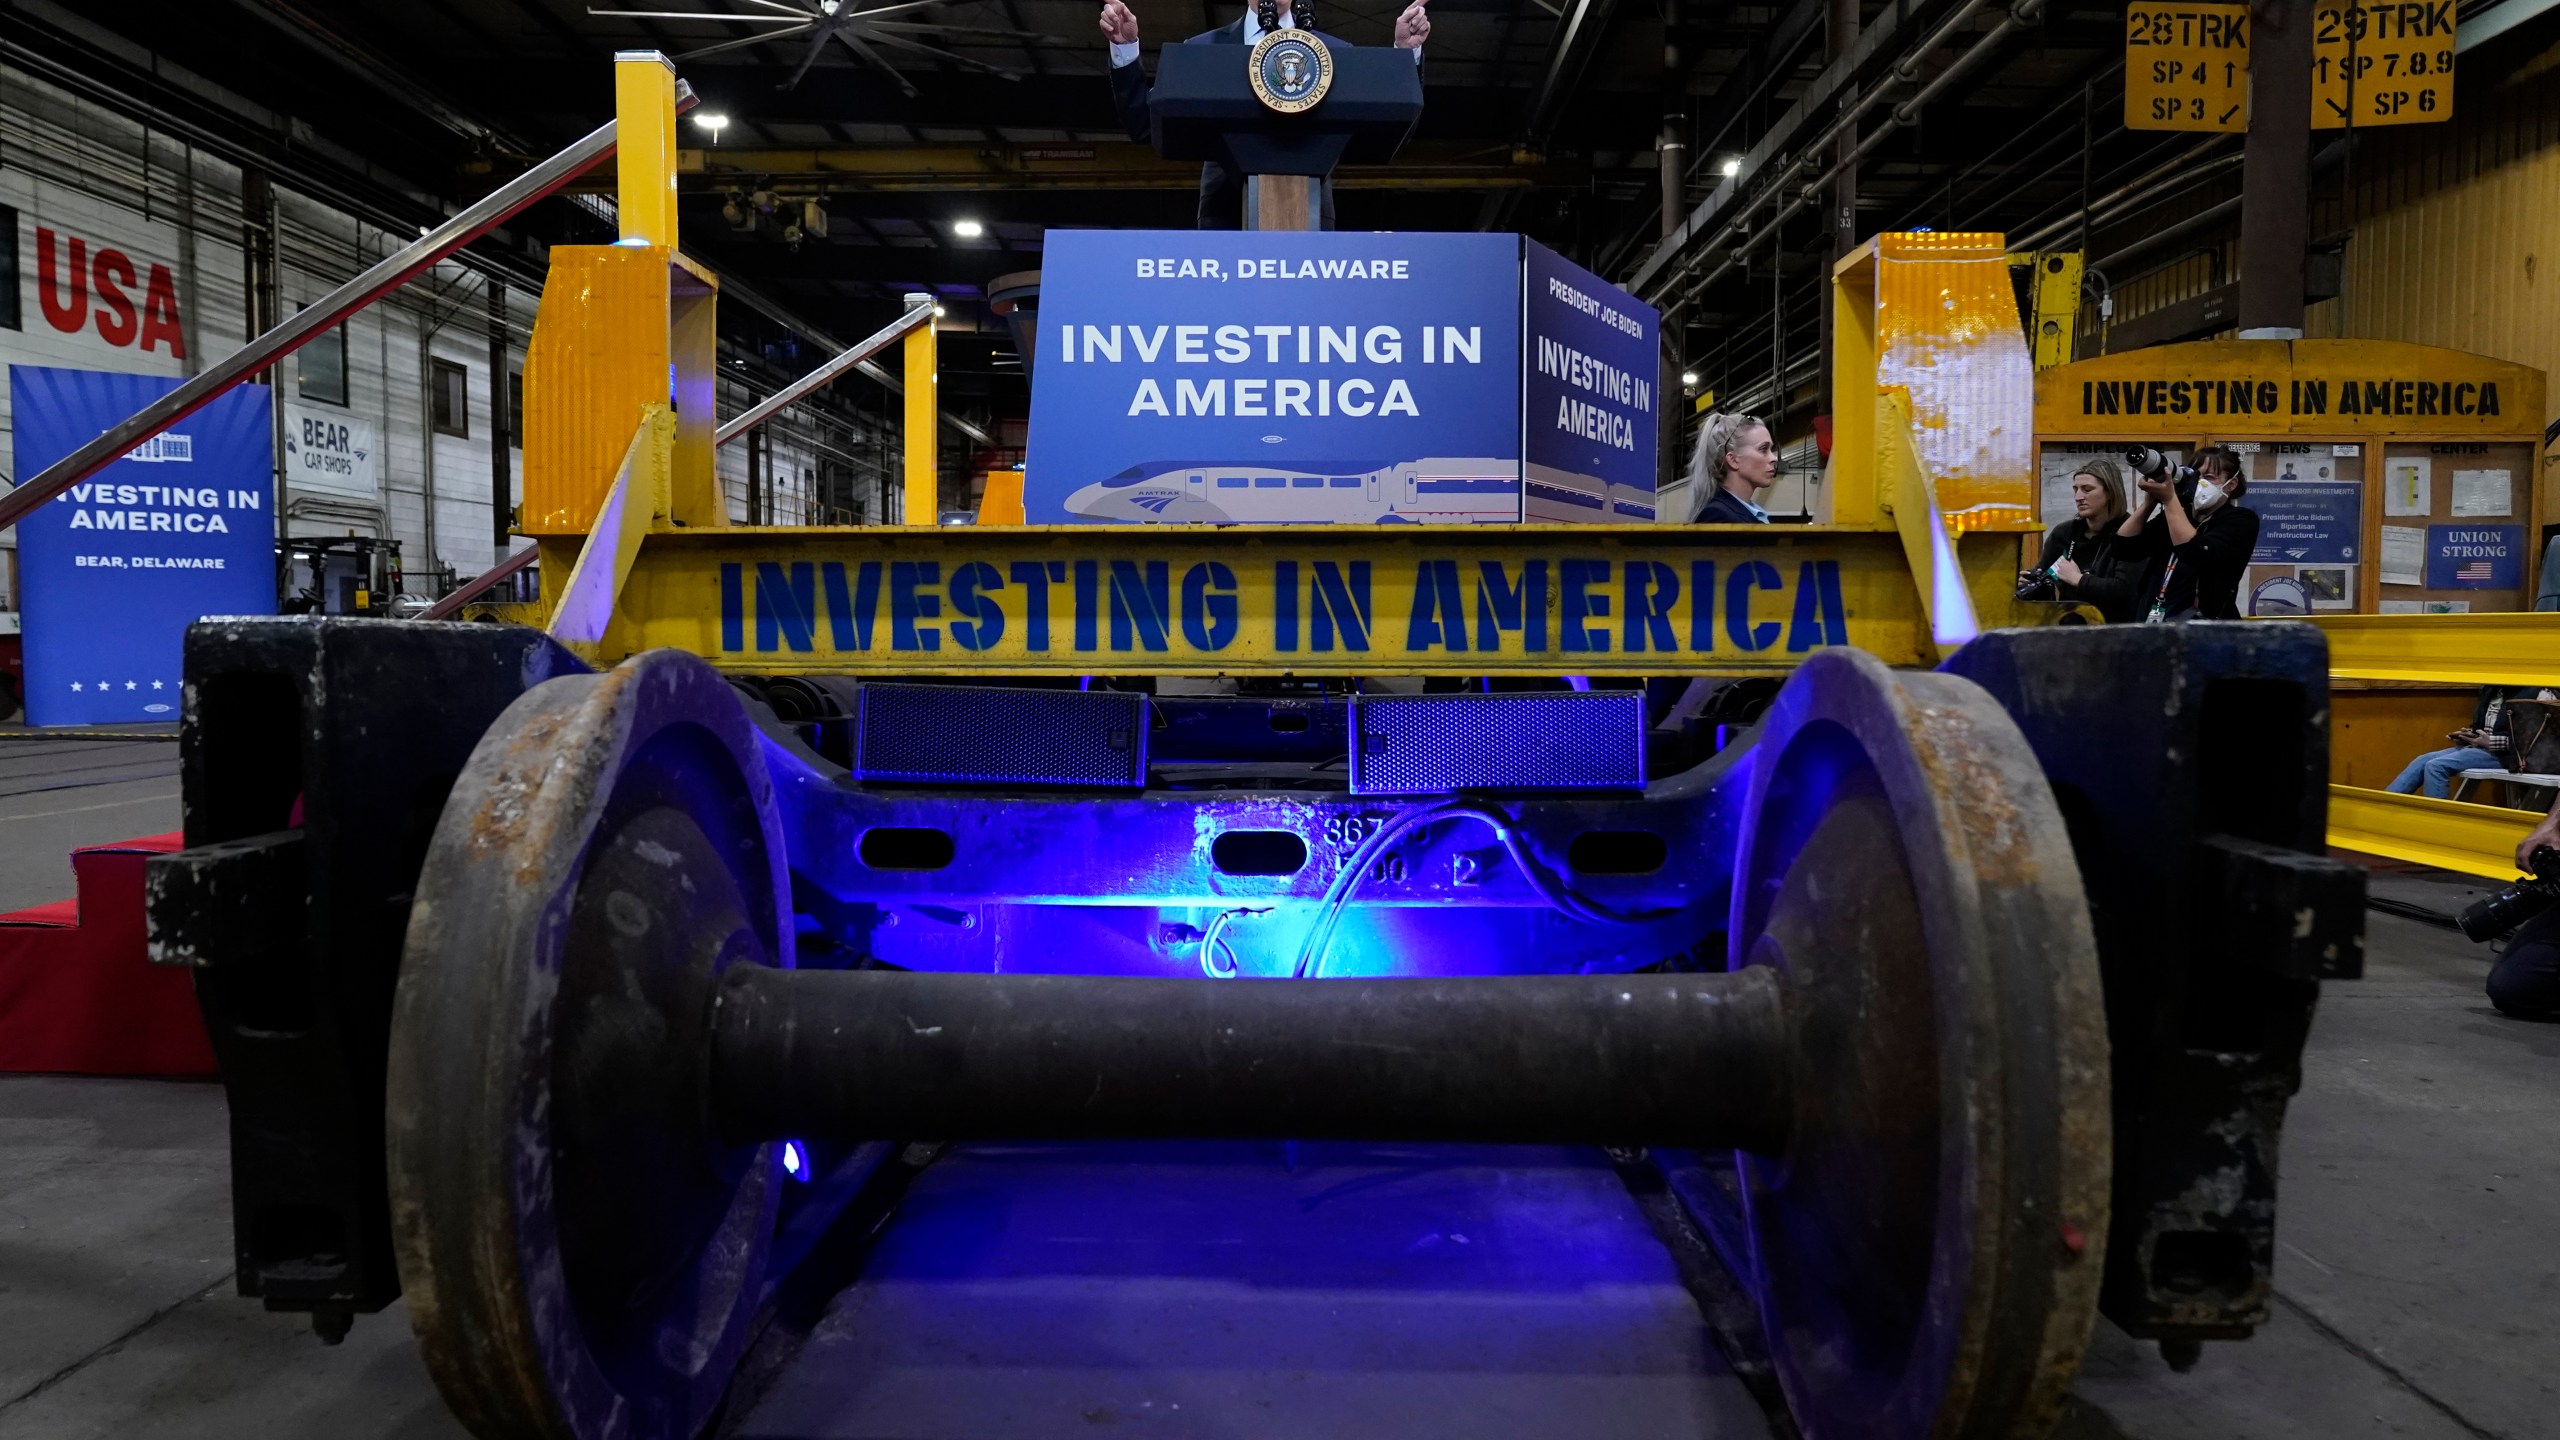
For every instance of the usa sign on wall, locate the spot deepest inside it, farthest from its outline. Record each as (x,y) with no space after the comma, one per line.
(98,286)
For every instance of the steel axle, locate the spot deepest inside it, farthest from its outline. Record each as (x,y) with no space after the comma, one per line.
(1700,1060)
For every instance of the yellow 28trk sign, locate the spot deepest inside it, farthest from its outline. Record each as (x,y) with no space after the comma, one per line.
(2186,67)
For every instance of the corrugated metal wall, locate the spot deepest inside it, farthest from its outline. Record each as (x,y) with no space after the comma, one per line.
(2457,231)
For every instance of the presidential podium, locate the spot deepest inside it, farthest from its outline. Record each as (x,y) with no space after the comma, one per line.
(1205,109)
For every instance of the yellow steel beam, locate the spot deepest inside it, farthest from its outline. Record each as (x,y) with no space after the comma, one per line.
(636,502)
(2511,648)
(1945,597)
(644,113)
(1624,600)
(2057,307)
(2474,839)
(1113,165)
(923,434)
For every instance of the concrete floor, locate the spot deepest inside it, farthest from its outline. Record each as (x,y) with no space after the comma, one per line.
(59,794)
(2419,1276)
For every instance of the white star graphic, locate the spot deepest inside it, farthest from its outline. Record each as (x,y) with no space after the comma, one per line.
(129,685)
(155,684)
(75,687)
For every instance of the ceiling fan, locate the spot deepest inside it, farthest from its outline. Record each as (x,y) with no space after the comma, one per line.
(862,31)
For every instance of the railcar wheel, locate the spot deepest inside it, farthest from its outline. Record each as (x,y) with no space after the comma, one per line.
(581,1256)
(1928,1246)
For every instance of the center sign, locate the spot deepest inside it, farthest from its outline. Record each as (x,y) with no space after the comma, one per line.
(1314,377)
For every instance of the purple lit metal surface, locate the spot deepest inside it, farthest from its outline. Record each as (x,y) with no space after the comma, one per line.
(983,735)
(1099,884)
(1220,1290)
(1527,741)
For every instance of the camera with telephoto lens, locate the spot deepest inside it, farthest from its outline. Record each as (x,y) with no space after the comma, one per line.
(2150,464)
(2040,584)
(2484,920)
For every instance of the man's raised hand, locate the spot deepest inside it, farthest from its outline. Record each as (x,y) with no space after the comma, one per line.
(1120,23)
(1412,27)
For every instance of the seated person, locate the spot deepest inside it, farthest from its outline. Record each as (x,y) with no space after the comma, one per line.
(1735,463)
(2525,980)
(2487,743)
(2080,553)
(2195,559)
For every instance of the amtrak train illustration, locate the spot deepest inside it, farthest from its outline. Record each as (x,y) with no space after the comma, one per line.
(1432,491)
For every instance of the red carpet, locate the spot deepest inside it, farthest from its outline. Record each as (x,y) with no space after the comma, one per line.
(77,993)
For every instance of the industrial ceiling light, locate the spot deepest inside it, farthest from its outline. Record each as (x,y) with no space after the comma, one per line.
(1732,166)
(1689,377)
(712,121)
(968,229)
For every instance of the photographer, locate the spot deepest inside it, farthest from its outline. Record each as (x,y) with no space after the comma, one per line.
(2525,981)
(2200,547)
(2079,563)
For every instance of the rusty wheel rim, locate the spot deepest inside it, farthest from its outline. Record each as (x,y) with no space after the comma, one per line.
(582,1258)
(1928,1247)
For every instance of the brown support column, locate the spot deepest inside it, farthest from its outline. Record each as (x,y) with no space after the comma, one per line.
(262,310)
(258,254)
(1840,31)
(1671,399)
(1283,202)
(2275,171)
(502,426)
(1673,151)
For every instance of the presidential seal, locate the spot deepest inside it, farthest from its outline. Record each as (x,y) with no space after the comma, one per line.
(1290,70)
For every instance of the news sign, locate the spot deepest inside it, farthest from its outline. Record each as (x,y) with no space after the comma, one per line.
(116,568)
(1593,359)
(1242,376)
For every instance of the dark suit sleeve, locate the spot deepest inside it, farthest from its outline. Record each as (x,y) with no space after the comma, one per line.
(1130,93)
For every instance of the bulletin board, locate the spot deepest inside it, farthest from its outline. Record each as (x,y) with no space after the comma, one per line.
(2386,477)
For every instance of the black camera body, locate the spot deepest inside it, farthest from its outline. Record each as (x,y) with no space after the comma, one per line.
(2485,920)
(2040,584)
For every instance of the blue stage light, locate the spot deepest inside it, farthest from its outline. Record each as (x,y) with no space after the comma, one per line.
(795,1161)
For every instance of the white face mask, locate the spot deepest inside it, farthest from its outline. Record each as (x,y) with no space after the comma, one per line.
(2209,493)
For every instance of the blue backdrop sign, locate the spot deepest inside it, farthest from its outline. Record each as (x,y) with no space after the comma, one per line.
(115,569)
(2307,522)
(1594,352)
(2475,557)
(1305,376)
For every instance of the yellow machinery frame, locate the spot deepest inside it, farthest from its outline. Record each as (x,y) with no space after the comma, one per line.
(2514,648)
(622,498)
(1909,560)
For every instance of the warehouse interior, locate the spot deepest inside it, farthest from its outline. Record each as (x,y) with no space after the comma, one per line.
(715,862)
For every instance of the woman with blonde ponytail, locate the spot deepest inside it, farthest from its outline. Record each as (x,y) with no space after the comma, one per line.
(1735,462)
